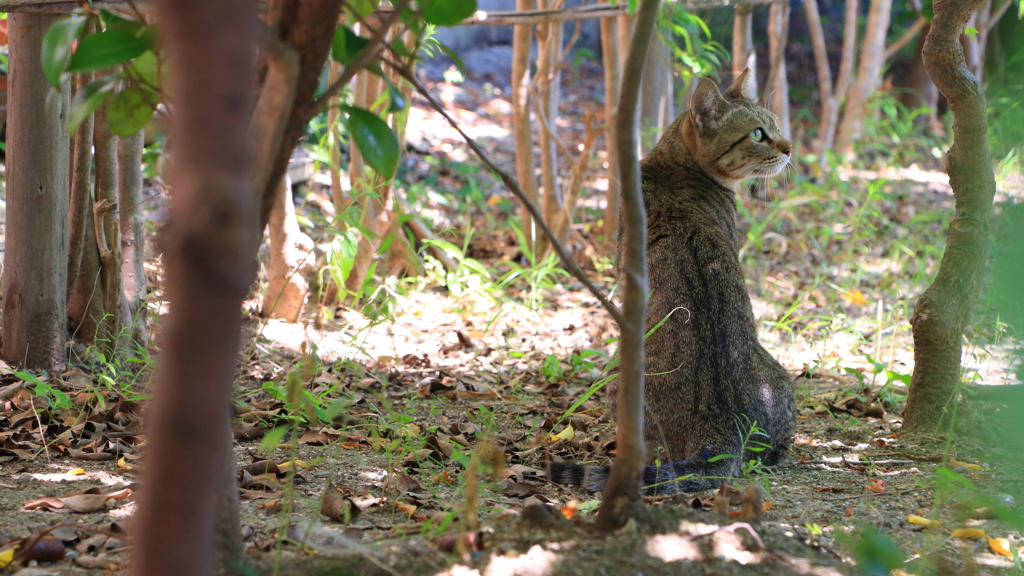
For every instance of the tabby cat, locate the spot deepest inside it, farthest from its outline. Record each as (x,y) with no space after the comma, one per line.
(711,388)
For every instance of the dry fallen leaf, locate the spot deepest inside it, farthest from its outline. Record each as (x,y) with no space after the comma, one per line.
(957,463)
(969,533)
(80,502)
(855,297)
(566,434)
(877,486)
(1000,546)
(922,521)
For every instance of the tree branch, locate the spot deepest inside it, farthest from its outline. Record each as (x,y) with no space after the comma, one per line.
(993,19)
(906,37)
(366,55)
(513,186)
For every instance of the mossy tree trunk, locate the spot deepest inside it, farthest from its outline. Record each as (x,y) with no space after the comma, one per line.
(943,311)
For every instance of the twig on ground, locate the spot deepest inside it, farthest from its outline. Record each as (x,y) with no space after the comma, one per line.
(867,494)
(867,462)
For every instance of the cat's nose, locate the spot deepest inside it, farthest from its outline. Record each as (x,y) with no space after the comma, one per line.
(788,150)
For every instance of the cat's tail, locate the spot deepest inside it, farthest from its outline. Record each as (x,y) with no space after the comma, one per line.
(691,475)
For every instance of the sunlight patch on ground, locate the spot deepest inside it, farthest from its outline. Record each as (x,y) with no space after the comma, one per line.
(104,477)
(535,562)
(935,180)
(673,548)
(429,322)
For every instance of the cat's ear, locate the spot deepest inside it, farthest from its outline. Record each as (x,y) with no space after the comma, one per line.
(706,102)
(744,87)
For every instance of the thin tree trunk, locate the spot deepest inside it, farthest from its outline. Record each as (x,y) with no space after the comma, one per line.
(656,110)
(108,233)
(562,222)
(337,194)
(923,93)
(828,102)
(846,63)
(375,215)
(624,27)
(209,248)
(549,46)
(81,201)
(612,74)
(872,57)
(522,37)
(86,309)
(622,495)
(943,311)
(290,258)
(36,261)
(743,53)
(306,28)
(133,239)
(778,83)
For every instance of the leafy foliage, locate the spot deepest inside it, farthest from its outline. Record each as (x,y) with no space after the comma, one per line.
(447,12)
(125,47)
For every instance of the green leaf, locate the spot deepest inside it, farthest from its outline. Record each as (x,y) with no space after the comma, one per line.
(447,12)
(106,49)
(57,44)
(400,48)
(451,54)
(876,553)
(145,68)
(396,97)
(346,45)
(363,7)
(112,21)
(89,98)
(273,438)
(129,111)
(376,141)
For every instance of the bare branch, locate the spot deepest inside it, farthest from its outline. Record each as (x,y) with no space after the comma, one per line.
(513,186)
(366,55)
(907,36)
(993,19)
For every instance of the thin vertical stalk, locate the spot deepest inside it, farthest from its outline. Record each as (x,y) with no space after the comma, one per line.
(622,496)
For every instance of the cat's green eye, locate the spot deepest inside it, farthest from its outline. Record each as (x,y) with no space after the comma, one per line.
(757,134)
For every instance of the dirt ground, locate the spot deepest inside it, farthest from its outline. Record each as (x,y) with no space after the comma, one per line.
(846,471)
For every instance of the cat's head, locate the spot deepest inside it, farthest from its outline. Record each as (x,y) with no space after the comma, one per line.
(730,135)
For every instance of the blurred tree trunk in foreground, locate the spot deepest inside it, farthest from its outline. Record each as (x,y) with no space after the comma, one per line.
(35,275)
(209,247)
(944,309)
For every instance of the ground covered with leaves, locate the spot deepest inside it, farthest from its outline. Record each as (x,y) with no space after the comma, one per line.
(407,433)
